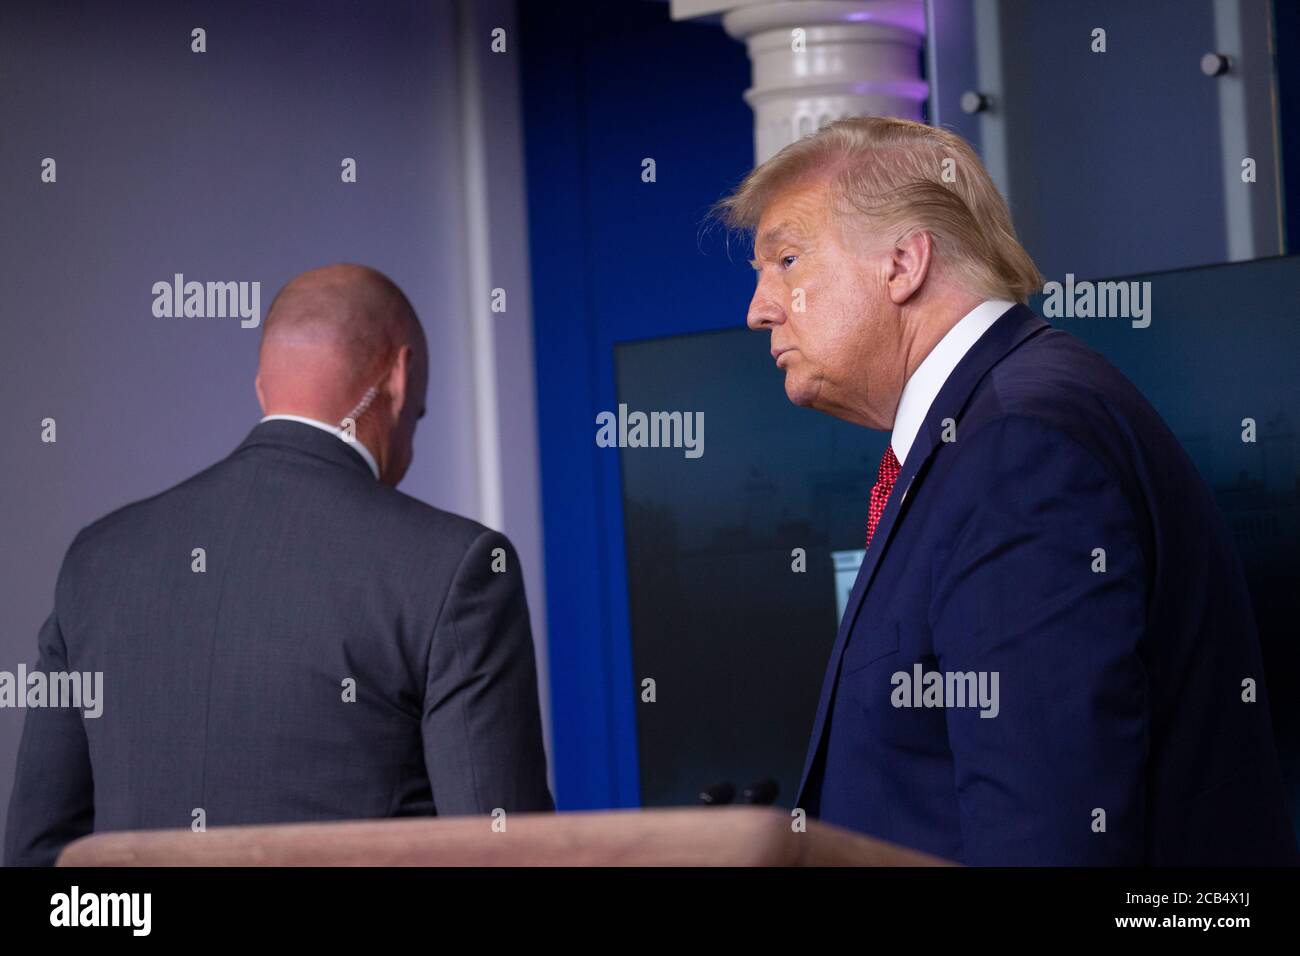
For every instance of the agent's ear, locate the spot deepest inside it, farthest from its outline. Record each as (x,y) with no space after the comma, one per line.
(397,384)
(909,264)
(261,396)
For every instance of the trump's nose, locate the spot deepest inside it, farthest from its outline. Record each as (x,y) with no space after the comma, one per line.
(764,311)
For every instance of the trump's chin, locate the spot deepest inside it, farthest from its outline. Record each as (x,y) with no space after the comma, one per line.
(799,389)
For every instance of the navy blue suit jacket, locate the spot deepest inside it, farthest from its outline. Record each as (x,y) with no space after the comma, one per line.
(224,691)
(1121,735)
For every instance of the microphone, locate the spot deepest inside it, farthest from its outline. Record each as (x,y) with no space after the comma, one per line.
(762,792)
(717,794)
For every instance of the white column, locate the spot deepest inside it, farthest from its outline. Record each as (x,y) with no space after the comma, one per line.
(501,343)
(1248,127)
(815,61)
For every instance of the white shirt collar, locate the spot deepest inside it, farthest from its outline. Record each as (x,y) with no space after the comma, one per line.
(923,386)
(358,446)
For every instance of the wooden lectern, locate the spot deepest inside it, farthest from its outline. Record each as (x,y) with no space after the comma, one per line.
(714,836)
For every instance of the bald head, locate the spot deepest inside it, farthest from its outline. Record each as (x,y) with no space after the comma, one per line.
(330,336)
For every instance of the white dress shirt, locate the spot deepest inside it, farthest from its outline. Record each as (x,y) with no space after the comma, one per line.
(334,430)
(925,383)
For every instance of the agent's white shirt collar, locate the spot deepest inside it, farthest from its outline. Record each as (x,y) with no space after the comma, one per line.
(923,387)
(337,432)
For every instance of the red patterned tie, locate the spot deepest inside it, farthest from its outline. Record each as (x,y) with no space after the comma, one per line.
(885,478)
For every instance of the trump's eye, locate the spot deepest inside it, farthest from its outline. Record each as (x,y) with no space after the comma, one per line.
(784,258)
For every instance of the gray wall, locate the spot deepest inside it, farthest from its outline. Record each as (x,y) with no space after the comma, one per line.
(1126,161)
(222,166)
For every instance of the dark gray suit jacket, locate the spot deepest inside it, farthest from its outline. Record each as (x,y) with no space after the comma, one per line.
(225,690)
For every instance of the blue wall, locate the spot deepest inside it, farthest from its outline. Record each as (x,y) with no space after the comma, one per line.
(606,85)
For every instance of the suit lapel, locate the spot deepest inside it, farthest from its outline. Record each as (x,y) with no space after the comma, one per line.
(1012,328)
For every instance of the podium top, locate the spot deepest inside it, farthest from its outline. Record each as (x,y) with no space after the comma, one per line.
(714,836)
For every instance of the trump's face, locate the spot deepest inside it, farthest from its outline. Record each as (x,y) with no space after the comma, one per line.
(823,295)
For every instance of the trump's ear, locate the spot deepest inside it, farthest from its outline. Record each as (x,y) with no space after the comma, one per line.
(909,264)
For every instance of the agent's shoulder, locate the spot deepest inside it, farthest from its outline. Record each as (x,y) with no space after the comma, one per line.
(423,519)
(318,505)
(143,515)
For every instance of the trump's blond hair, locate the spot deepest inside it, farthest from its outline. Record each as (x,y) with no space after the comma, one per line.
(897,176)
